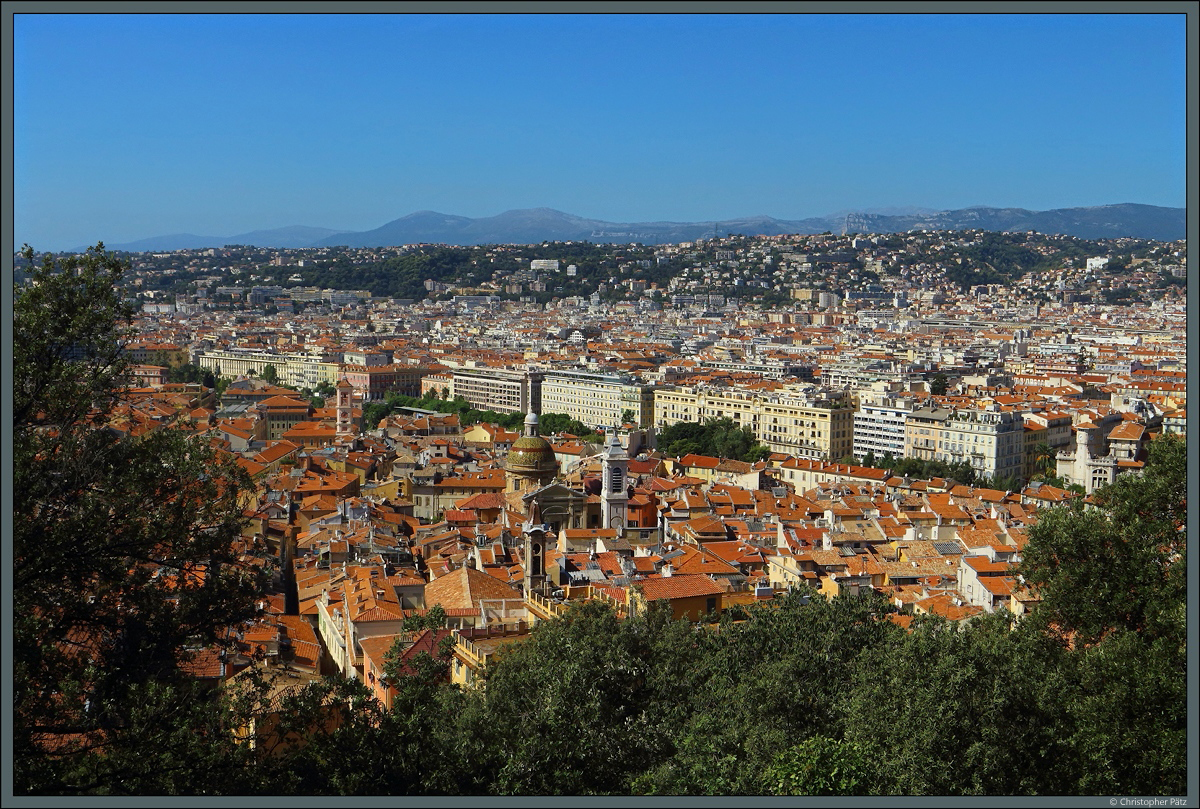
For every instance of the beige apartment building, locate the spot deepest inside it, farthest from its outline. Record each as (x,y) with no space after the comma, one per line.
(807,422)
(597,400)
(297,370)
(991,440)
(923,432)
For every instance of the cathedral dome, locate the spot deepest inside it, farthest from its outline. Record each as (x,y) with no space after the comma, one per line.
(531,456)
(530,453)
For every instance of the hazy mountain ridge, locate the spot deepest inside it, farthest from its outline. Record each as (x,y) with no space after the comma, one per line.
(292,236)
(1098,222)
(546,224)
(535,225)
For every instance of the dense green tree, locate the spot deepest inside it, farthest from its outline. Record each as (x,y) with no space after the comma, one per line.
(959,471)
(759,687)
(375,412)
(124,550)
(716,437)
(270,374)
(1004,483)
(187,372)
(1124,715)
(328,737)
(578,708)
(1121,563)
(822,766)
(970,710)
(434,618)
(424,729)
(1045,460)
(69,325)
(1112,579)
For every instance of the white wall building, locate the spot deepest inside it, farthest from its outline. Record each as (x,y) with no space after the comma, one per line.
(879,425)
(597,400)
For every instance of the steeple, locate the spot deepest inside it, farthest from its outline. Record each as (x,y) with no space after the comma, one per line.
(537,541)
(615,476)
(345,398)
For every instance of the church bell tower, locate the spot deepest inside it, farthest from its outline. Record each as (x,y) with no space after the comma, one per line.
(345,407)
(615,479)
(538,537)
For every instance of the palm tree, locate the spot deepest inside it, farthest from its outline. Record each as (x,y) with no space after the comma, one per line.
(1045,459)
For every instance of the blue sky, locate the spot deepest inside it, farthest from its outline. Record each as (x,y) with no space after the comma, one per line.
(130,126)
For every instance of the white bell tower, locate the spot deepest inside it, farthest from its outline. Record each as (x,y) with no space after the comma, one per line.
(615,478)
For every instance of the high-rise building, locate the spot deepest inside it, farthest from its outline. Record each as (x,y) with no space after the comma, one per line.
(879,424)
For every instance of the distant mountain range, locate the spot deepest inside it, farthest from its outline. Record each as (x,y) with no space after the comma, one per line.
(535,225)
(294,236)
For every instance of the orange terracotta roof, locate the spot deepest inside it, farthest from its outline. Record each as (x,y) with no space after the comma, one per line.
(682,586)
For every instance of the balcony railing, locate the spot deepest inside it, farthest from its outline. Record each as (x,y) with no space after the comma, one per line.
(620,607)
(551,609)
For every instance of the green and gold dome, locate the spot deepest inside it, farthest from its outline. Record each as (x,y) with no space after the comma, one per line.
(531,455)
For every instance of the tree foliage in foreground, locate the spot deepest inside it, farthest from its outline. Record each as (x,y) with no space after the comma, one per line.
(123,555)
(806,697)
(1120,563)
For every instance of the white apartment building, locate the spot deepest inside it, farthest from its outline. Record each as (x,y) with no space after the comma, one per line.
(499,389)
(879,424)
(597,400)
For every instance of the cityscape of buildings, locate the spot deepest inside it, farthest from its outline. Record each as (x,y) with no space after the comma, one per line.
(829,442)
(842,354)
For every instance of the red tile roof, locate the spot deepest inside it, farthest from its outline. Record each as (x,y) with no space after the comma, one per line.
(683,586)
